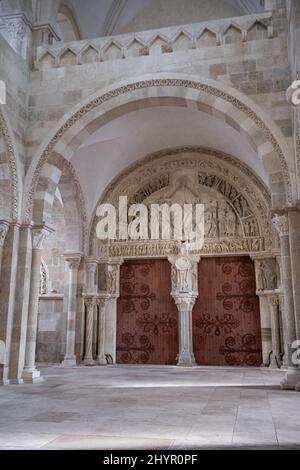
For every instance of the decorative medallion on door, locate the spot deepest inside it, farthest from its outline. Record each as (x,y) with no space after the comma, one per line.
(226,321)
(147,319)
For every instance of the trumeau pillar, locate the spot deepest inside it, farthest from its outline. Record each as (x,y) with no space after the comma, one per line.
(281,224)
(73,262)
(185,292)
(39,235)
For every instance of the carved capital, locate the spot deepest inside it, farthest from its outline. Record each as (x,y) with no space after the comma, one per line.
(73,260)
(184,303)
(274,301)
(39,236)
(281,224)
(4,226)
(102,301)
(91,267)
(90,302)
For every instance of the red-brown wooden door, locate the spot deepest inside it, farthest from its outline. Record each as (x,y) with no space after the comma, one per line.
(226,319)
(147,318)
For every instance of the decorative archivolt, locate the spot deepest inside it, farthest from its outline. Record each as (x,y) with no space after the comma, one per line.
(236,202)
(5,134)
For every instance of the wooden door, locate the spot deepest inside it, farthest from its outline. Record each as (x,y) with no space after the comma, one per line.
(147,319)
(226,319)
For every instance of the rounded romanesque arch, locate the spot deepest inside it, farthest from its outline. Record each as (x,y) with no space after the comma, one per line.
(237,203)
(10,174)
(208,96)
(58,178)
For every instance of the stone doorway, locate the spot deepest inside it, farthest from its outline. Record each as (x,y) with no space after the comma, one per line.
(226,318)
(147,317)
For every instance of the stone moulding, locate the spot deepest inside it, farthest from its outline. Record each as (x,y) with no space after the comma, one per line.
(13,172)
(145,39)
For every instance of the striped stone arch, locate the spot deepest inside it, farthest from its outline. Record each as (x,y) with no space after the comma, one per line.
(9,173)
(207,95)
(58,174)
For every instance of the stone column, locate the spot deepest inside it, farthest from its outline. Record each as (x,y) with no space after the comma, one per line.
(185,292)
(265,325)
(101,303)
(8,289)
(284,364)
(39,235)
(109,286)
(185,304)
(90,303)
(281,224)
(275,357)
(4,226)
(73,262)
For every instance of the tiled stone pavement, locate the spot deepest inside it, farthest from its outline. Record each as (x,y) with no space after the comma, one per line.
(150,407)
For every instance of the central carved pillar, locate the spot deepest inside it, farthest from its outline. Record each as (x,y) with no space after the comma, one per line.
(39,235)
(185,292)
(281,224)
(73,262)
(185,304)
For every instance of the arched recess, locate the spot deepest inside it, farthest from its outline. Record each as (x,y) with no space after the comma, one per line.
(10,174)
(209,96)
(233,195)
(58,179)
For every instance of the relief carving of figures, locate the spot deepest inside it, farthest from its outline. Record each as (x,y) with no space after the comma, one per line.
(266,277)
(227,221)
(111,280)
(183,267)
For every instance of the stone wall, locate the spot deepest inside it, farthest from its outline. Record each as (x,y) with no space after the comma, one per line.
(15,73)
(50,329)
(255,64)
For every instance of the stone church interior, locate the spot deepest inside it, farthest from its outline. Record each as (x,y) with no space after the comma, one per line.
(149,343)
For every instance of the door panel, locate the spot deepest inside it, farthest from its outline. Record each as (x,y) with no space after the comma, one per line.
(226,320)
(147,319)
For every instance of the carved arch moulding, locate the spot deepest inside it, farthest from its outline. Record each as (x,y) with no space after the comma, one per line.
(117,99)
(11,152)
(236,202)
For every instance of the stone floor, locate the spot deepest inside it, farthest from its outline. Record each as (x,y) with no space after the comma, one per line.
(148,407)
